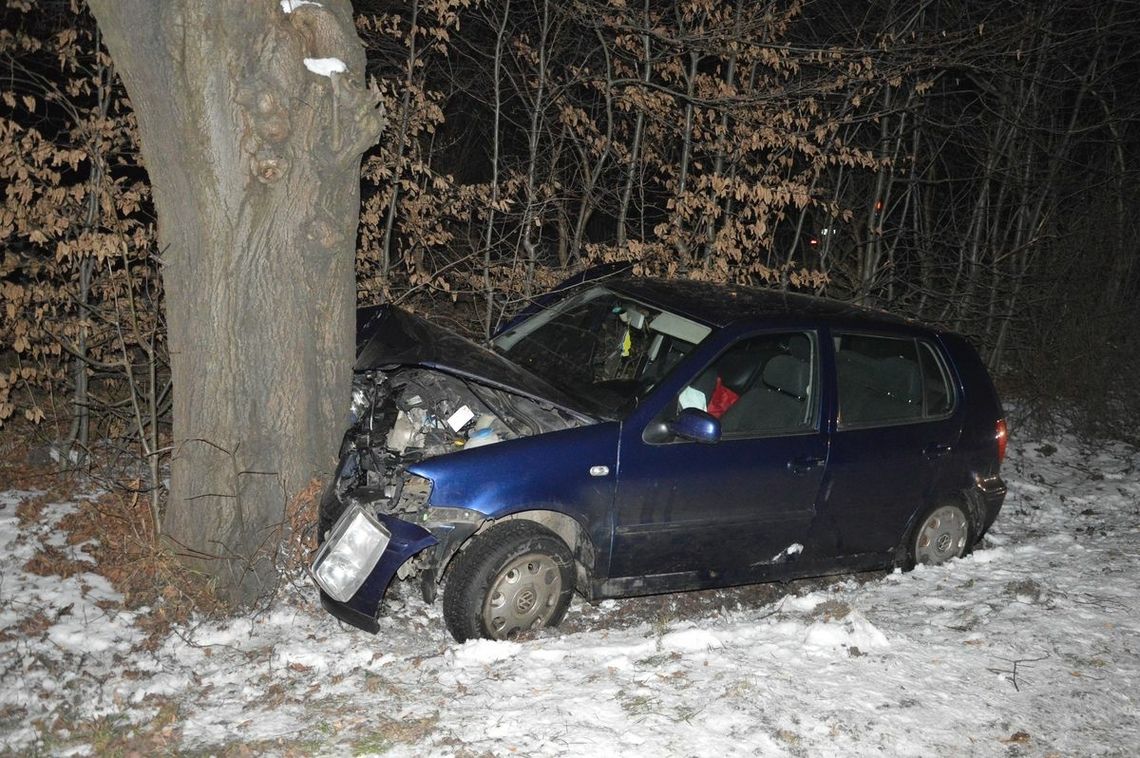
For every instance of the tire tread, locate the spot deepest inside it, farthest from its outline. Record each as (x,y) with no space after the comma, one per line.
(469,576)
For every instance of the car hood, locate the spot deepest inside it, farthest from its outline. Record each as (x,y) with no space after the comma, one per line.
(388,336)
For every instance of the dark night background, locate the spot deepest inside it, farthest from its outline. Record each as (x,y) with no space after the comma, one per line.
(968,163)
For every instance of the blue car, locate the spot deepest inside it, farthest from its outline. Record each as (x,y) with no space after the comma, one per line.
(636,436)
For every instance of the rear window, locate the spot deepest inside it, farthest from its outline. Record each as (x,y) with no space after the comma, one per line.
(890,380)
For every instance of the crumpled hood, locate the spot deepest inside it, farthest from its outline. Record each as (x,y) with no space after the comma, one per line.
(388,336)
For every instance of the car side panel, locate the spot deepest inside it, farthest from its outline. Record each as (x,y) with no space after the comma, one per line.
(976,465)
(880,478)
(981,405)
(548,472)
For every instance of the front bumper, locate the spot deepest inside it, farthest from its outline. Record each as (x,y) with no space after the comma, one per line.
(362,609)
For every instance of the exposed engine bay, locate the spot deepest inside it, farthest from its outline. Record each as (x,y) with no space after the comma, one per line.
(406,415)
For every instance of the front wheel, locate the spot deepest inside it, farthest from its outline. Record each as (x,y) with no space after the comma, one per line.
(515,577)
(940,535)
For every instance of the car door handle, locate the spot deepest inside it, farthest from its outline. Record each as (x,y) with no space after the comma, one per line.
(936,450)
(803,464)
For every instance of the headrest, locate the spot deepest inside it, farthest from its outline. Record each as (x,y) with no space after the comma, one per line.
(800,346)
(901,379)
(736,369)
(788,375)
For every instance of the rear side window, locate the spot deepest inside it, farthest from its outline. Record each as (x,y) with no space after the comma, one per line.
(889,380)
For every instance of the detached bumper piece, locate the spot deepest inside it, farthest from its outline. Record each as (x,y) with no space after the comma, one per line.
(356,564)
(990,492)
(991,488)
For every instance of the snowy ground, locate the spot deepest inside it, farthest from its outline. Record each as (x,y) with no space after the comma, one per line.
(1029,647)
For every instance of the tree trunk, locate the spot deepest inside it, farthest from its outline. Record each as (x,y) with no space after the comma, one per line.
(254,160)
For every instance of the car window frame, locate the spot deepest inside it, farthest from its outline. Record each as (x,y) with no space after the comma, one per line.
(815,337)
(506,340)
(943,363)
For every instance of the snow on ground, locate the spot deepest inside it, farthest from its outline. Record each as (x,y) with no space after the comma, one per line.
(1031,646)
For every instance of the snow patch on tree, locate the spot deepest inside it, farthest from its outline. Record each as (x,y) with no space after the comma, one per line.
(325,66)
(288,6)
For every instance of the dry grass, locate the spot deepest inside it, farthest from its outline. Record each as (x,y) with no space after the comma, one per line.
(30,627)
(116,530)
(300,528)
(115,736)
(29,511)
(51,561)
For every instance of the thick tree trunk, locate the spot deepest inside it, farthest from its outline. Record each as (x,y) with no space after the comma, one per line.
(254,160)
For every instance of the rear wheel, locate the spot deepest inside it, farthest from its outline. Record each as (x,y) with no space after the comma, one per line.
(515,577)
(940,535)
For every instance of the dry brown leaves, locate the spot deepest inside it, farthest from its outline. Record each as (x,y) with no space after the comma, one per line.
(300,521)
(30,627)
(115,537)
(117,532)
(29,511)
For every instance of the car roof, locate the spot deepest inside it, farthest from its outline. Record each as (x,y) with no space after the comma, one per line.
(719,304)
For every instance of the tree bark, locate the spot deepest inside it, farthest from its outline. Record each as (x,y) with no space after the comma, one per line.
(254,160)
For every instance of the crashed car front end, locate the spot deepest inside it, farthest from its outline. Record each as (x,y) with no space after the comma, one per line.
(377,521)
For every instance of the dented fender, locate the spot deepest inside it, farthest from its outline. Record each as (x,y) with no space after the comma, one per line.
(362,608)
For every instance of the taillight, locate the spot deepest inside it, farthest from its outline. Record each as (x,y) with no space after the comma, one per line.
(1001,434)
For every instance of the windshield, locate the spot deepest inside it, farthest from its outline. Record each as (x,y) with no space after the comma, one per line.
(601,348)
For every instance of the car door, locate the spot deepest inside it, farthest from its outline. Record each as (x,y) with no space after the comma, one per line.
(896,428)
(697,514)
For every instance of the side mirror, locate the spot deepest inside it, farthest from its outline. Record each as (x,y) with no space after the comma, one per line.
(696,425)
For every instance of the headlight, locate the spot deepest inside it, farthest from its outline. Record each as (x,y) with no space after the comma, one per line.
(347,557)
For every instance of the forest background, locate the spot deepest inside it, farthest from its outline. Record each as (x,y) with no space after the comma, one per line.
(967,163)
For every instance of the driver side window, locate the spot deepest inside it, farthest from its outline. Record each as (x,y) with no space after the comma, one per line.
(762,386)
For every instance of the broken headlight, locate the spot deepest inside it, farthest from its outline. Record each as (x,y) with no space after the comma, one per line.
(348,556)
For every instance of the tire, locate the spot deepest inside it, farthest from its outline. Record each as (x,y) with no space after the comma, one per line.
(515,577)
(943,533)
